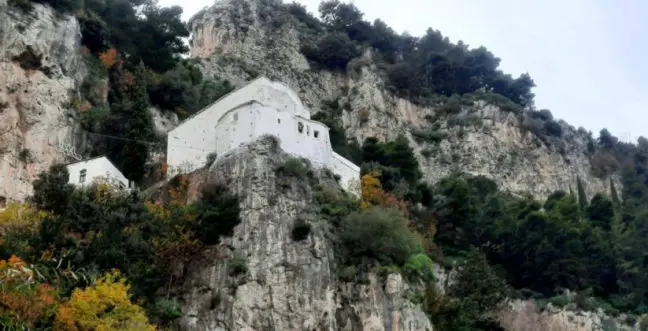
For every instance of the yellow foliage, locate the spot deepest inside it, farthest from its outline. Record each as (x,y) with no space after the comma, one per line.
(103,306)
(374,195)
(22,297)
(20,216)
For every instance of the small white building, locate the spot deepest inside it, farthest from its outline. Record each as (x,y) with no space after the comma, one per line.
(259,108)
(89,171)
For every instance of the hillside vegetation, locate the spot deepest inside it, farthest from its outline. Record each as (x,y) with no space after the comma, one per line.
(89,259)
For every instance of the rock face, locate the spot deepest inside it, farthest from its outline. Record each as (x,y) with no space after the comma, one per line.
(40,65)
(525,316)
(240,39)
(288,285)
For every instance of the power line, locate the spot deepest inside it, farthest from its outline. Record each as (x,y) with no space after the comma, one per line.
(154,143)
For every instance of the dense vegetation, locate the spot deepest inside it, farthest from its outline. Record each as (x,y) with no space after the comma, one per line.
(417,68)
(75,239)
(133,52)
(593,245)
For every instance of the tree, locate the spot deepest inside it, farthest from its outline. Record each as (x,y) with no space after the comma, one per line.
(582,197)
(606,139)
(374,195)
(339,15)
(379,233)
(614,194)
(219,213)
(129,122)
(333,51)
(475,295)
(51,190)
(601,212)
(105,305)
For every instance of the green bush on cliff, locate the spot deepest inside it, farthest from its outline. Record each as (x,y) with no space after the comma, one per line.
(380,234)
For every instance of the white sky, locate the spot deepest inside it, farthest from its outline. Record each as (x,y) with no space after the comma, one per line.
(586,56)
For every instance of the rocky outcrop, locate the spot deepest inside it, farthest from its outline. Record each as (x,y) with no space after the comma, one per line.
(40,65)
(288,284)
(240,39)
(526,316)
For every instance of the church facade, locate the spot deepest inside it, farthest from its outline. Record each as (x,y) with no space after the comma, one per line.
(262,107)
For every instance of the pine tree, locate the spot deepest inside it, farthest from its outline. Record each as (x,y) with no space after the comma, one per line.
(582,197)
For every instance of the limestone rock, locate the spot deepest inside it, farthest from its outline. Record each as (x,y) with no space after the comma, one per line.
(40,65)
(289,285)
(240,39)
(524,315)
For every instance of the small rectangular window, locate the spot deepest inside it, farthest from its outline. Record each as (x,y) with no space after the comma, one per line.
(300,127)
(316,133)
(82,176)
(279,120)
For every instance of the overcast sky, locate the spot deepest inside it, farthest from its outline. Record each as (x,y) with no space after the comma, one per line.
(587,57)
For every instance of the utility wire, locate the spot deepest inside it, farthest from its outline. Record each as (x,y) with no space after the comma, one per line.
(139,140)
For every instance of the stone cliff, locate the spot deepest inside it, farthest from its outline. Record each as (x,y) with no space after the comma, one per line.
(288,284)
(240,39)
(40,65)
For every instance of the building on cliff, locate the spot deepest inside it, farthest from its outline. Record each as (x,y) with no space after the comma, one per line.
(95,170)
(262,107)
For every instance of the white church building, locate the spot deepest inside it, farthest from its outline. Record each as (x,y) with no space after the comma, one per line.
(262,107)
(99,169)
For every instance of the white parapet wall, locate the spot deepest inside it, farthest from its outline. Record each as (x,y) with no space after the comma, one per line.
(349,174)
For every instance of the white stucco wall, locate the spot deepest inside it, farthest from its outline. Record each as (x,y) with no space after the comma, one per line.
(250,121)
(95,169)
(260,108)
(349,174)
(189,144)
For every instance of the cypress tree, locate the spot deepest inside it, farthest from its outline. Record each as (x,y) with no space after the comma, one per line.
(614,194)
(129,119)
(582,197)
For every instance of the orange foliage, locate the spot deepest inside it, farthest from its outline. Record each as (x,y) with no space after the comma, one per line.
(109,58)
(160,172)
(22,297)
(374,195)
(178,190)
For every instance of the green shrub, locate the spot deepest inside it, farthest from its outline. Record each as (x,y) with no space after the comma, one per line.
(427,135)
(379,233)
(218,211)
(348,273)
(294,167)
(301,230)
(560,301)
(24,5)
(386,270)
(419,266)
(25,156)
(166,310)
(237,265)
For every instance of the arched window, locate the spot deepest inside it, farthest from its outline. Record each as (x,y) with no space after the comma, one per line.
(82,176)
(316,133)
(300,127)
